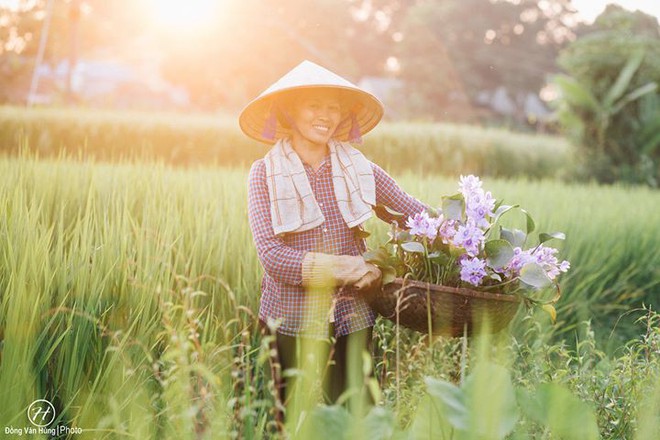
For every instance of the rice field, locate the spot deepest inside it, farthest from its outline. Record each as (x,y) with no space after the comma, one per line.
(128,299)
(188,140)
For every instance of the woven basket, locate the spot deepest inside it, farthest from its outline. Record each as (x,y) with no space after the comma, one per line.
(453,310)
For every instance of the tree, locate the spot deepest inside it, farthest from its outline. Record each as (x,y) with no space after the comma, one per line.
(21,29)
(19,35)
(462,48)
(610,102)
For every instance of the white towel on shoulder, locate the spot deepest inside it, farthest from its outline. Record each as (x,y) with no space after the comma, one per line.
(293,205)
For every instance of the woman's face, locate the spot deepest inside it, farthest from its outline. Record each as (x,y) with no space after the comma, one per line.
(316,115)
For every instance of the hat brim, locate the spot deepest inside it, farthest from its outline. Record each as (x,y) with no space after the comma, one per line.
(368,111)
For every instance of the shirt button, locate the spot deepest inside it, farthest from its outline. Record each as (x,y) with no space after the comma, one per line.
(325,229)
(321,204)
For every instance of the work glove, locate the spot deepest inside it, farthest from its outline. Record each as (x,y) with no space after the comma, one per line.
(326,270)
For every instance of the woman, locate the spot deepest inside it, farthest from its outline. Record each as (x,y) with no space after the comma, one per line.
(307,200)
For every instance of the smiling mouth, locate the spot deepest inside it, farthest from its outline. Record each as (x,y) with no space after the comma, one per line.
(322,128)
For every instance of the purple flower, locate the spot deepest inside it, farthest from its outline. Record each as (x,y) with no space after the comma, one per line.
(543,256)
(546,258)
(470,238)
(422,225)
(478,206)
(469,183)
(447,231)
(520,258)
(473,270)
(416,224)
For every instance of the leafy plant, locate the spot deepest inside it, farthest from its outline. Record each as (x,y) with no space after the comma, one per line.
(461,245)
(488,406)
(609,100)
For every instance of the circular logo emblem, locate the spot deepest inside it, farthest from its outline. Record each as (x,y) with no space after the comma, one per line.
(41,413)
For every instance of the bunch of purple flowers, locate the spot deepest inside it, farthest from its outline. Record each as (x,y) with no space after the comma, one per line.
(461,245)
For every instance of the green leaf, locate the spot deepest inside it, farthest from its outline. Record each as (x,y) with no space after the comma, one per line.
(377,425)
(498,253)
(623,80)
(534,275)
(501,210)
(649,133)
(455,251)
(389,274)
(635,94)
(453,207)
(382,209)
(452,402)
(651,143)
(491,401)
(361,233)
(429,422)
(516,237)
(439,258)
(567,416)
(333,421)
(379,256)
(413,246)
(576,93)
(648,419)
(403,236)
(546,236)
(530,222)
(432,212)
(531,405)
(550,310)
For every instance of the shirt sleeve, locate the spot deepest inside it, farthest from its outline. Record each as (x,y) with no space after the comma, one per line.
(390,194)
(281,262)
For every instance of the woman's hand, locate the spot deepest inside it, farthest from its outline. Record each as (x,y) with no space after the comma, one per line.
(371,280)
(339,270)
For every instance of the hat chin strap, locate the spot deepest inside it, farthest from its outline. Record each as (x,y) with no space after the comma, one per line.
(270,127)
(355,134)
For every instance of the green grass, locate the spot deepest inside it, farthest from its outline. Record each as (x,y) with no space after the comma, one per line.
(128,295)
(193,139)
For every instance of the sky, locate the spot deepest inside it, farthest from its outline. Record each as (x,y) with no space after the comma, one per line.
(589,9)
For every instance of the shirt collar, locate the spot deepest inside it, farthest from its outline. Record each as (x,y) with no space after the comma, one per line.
(325,162)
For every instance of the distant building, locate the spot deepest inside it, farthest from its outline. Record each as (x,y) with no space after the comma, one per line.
(496,103)
(500,102)
(109,83)
(387,90)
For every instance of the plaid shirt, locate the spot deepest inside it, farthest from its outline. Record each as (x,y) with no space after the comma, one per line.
(282,293)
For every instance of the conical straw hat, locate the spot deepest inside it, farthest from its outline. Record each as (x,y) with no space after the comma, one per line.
(361,108)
